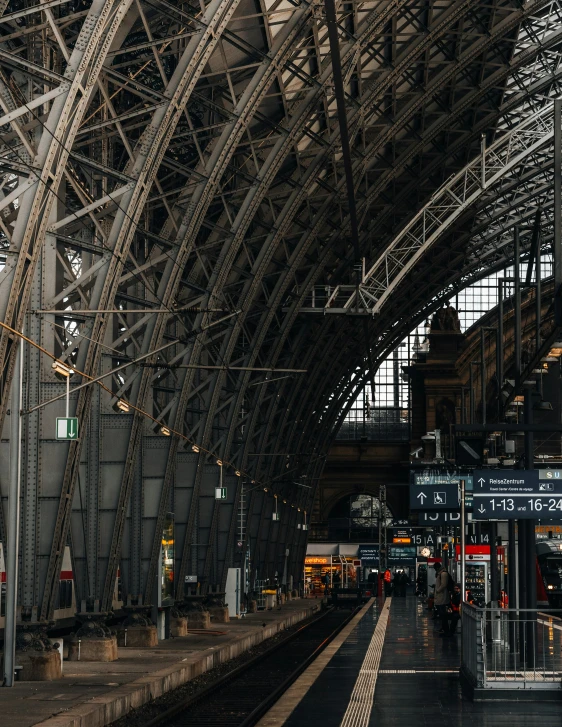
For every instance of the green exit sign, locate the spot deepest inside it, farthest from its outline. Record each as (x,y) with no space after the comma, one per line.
(220,493)
(67,427)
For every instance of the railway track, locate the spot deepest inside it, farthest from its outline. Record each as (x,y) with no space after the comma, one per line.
(243,696)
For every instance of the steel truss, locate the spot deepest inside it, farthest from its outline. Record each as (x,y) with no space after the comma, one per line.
(184,159)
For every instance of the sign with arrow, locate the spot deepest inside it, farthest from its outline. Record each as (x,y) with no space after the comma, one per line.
(515,494)
(67,428)
(434,492)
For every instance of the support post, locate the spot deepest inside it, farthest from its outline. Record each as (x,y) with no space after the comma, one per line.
(557,211)
(529,573)
(511,577)
(499,346)
(463,541)
(483,168)
(483,371)
(67,396)
(471,394)
(517,308)
(494,581)
(13,520)
(538,291)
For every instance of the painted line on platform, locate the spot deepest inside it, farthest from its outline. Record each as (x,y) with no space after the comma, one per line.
(288,702)
(358,712)
(418,671)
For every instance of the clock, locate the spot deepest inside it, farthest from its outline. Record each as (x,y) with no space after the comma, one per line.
(425,552)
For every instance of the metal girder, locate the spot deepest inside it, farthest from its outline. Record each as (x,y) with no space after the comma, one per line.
(198,165)
(507,155)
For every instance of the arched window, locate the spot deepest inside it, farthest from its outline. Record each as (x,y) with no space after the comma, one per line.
(363,510)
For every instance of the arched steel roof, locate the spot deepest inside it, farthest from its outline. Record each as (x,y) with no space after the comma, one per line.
(167,165)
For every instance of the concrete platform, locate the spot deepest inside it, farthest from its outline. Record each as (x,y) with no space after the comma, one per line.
(94,694)
(396,672)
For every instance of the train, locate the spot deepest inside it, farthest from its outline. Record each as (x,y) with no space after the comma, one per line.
(549,572)
(65,608)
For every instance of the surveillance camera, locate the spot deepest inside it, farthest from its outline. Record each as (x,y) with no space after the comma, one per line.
(416,453)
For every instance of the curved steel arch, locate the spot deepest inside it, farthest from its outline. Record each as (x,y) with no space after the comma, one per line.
(244,215)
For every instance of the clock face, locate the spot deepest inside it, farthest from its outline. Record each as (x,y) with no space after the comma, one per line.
(426,552)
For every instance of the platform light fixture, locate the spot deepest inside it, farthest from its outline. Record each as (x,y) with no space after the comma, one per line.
(219,462)
(238,473)
(165,431)
(195,448)
(122,405)
(62,369)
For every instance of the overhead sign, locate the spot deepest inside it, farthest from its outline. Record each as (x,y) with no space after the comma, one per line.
(401,556)
(428,538)
(368,553)
(439,518)
(514,494)
(402,535)
(434,492)
(67,427)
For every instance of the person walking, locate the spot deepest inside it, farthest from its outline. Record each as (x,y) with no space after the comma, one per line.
(387,582)
(442,598)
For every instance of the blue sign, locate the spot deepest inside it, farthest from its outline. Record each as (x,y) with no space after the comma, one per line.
(401,555)
(427,519)
(515,494)
(434,492)
(368,554)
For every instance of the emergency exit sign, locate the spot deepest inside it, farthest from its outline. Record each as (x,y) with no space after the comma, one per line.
(67,428)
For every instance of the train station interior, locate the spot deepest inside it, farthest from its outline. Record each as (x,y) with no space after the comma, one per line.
(280,363)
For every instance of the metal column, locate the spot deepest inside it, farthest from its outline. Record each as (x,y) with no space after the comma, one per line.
(13,520)
(517,308)
(528,567)
(499,346)
(483,371)
(557,211)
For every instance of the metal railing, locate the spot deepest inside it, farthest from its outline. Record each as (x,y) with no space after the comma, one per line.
(511,648)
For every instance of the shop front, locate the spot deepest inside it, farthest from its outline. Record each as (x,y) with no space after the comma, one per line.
(341,569)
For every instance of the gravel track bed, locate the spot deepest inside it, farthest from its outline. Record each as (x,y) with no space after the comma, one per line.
(139,717)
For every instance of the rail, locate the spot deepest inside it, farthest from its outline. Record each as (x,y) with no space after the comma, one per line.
(243,695)
(511,648)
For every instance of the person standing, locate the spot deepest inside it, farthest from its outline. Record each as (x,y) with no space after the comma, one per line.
(400,579)
(337,579)
(442,597)
(455,610)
